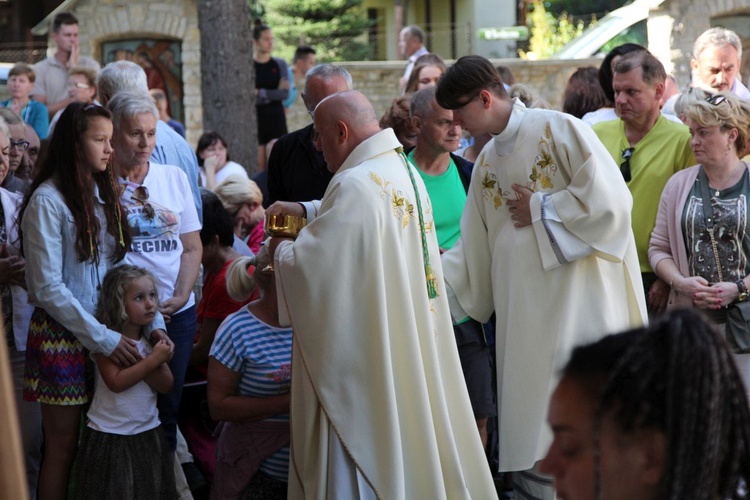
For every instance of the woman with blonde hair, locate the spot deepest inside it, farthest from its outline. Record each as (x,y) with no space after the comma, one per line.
(243,199)
(249,376)
(701,243)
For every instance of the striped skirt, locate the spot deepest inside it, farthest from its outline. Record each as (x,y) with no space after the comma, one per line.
(57,371)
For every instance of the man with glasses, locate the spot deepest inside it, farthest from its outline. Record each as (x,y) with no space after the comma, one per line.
(546,243)
(446,177)
(649,148)
(18,145)
(297,171)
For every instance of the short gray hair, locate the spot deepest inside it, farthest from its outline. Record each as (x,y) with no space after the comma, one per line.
(10,117)
(421,102)
(4,127)
(414,31)
(716,38)
(120,76)
(327,72)
(126,105)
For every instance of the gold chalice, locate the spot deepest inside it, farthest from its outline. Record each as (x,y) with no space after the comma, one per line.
(284,226)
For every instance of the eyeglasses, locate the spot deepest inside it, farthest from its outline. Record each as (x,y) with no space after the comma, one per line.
(625,165)
(716,99)
(141,194)
(19,145)
(79,85)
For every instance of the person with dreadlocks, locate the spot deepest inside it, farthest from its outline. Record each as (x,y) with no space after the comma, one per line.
(652,413)
(72,232)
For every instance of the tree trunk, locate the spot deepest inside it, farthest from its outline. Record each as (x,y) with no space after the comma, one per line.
(228,77)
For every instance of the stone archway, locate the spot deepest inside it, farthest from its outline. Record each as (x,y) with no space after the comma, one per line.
(141,19)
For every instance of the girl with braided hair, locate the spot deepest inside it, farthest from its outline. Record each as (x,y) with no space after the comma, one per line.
(653,413)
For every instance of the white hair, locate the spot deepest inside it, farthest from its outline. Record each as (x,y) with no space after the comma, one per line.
(717,38)
(125,105)
(328,72)
(120,76)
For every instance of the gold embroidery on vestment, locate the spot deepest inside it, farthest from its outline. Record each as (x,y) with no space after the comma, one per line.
(542,173)
(402,208)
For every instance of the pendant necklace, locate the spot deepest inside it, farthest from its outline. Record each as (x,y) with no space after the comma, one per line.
(731,177)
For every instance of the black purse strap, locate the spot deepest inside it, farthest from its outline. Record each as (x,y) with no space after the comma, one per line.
(708,217)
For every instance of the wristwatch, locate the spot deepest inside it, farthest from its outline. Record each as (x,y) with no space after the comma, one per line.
(742,288)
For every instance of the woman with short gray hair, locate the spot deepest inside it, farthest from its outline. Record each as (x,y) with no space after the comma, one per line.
(165,227)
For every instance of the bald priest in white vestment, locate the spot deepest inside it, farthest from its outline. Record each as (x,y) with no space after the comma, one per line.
(379,405)
(546,244)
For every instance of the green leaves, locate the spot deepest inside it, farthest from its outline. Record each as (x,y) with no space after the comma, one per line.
(336,29)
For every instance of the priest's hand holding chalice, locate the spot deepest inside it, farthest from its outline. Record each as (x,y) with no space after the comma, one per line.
(284,221)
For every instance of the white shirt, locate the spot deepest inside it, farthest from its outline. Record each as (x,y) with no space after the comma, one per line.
(412,59)
(126,413)
(156,241)
(231,168)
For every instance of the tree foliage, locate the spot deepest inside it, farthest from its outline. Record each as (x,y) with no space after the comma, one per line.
(548,33)
(335,28)
(581,8)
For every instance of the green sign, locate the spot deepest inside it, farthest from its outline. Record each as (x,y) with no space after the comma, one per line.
(508,33)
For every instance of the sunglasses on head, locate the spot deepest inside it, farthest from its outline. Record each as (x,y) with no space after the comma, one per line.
(715,99)
(627,153)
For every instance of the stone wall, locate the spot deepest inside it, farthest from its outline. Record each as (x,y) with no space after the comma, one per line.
(106,20)
(379,81)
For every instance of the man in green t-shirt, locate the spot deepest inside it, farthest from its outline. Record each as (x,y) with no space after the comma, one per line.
(649,148)
(446,178)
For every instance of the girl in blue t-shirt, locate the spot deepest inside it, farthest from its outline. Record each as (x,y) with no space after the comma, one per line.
(248,388)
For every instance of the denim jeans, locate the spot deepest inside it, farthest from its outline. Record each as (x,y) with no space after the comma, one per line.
(181,329)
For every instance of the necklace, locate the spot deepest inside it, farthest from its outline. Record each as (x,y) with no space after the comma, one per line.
(729,182)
